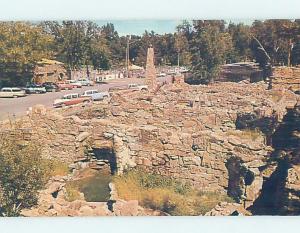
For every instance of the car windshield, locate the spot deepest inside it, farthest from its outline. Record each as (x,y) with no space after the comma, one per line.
(16,90)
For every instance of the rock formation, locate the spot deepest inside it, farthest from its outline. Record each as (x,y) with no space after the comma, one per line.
(150,70)
(286,77)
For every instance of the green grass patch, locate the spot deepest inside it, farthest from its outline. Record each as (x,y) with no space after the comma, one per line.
(166,194)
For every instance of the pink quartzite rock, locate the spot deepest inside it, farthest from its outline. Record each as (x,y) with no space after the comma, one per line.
(150,70)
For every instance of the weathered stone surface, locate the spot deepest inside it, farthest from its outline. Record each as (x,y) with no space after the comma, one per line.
(150,70)
(129,208)
(82,136)
(167,134)
(227,209)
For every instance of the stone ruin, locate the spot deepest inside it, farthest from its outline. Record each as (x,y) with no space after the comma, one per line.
(197,134)
(150,70)
(286,77)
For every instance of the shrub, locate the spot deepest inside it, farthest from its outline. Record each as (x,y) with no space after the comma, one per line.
(165,194)
(22,173)
(248,134)
(58,168)
(72,192)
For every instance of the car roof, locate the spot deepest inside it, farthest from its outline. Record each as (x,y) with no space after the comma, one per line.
(91,90)
(71,94)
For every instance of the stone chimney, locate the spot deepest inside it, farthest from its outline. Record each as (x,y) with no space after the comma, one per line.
(150,70)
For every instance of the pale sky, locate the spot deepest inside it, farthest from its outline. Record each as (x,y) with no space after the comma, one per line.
(138,27)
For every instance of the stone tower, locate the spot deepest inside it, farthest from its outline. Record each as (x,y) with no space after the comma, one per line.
(150,70)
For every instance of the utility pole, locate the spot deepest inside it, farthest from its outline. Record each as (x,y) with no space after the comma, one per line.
(127,62)
(127,56)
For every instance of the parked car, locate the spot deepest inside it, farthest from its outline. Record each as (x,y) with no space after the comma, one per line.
(183,70)
(171,72)
(96,95)
(51,87)
(162,74)
(138,87)
(86,82)
(71,99)
(65,86)
(35,89)
(74,83)
(12,92)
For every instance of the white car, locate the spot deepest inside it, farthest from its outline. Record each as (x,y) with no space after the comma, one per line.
(96,95)
(71,99)
(162,74)
(86,82)
(12,92)
(139,87)
(74,83)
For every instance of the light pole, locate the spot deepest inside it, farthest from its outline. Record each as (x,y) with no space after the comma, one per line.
(127,54)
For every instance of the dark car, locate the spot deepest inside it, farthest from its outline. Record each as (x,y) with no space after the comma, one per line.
(51,87)
(34,89)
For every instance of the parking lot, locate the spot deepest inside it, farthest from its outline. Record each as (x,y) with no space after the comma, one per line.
(14,107)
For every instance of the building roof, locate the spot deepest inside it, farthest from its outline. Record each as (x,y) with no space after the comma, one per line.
(135,67)
(45,61)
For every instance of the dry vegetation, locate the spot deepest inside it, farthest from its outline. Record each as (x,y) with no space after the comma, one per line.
(247,134)
(166,194)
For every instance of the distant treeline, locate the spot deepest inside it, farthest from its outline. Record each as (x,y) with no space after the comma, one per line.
(202,45)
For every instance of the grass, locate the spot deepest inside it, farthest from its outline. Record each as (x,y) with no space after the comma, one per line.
(72,192)
(248,134)
(166,194)
(276,96)
(58,168)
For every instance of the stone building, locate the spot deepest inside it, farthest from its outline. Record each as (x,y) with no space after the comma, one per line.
(49,71)
(240,71)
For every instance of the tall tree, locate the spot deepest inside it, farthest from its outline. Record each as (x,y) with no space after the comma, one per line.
(21,46)
(211,47)
(241,38)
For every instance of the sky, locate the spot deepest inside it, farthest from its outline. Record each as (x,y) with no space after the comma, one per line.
(138,27)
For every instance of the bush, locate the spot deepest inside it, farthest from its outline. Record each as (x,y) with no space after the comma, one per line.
(58,168)
(165,194)
(72,192)
(22,173)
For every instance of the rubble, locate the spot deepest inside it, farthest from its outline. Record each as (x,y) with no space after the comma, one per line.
(286,77)
(186,132)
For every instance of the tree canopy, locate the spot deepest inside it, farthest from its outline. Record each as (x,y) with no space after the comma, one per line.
(202,45)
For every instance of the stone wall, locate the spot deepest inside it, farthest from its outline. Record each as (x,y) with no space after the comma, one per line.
(286,77)
(49,73)
(186,132)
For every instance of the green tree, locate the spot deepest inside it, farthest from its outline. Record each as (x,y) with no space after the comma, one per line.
(21,46)
(241,38)
(276,37)
(115,43)
(22,173)
(211,47)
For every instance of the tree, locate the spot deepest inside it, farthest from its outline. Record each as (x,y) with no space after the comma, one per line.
(21,46)
(116,44)
(241,38)
(211,47)
(182,47)
(277,38)
(22,173)
(99,55)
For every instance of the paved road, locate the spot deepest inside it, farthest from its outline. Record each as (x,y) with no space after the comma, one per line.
(10,107)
